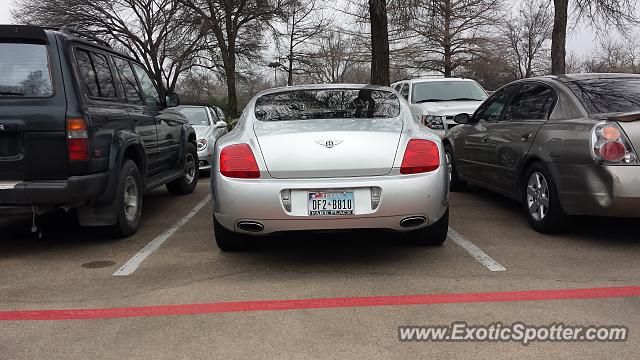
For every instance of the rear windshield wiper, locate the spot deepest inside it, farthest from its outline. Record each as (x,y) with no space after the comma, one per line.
(10,93)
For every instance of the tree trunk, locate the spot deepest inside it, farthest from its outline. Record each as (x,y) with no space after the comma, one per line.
(379,42)
(230,72)
(559,37)
(446,41)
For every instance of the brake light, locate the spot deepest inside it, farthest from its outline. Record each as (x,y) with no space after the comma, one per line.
(77,139)
(420,156)
(237,161)
(609,144)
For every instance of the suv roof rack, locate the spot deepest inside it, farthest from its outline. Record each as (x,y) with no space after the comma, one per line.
(80,34)
(68,30)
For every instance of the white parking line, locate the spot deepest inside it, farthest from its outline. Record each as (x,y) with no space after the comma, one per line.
(475,251)
(132,265)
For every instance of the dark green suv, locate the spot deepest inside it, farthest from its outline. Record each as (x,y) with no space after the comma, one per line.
(83,126)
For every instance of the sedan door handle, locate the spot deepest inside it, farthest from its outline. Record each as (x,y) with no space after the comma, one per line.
(526,137)
(485,138)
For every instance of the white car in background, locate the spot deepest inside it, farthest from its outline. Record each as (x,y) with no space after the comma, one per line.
(435,101)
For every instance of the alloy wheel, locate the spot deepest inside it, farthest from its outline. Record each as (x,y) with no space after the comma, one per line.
(130,198)
(190,168)
(538,196)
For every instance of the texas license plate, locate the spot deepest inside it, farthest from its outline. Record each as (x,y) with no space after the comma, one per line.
(331,203)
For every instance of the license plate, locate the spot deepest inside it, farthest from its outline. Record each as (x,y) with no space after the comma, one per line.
(331,203)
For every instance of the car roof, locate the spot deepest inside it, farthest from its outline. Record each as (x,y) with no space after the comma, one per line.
(324,87)
(589,76)
(433,79)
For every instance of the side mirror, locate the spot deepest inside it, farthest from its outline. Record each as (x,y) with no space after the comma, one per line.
(462,119)
(172,100)
(220,124)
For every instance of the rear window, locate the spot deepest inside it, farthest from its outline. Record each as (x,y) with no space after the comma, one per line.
(327,104)
(601,96)
(24,70)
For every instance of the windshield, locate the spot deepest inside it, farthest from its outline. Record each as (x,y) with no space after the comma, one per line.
(24,70)
(195,115)
(601,96)
(327,104)
(438,91)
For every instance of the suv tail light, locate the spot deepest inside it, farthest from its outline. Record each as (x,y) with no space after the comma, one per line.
(77,139)
(420,156)
(610,145)
(237,161)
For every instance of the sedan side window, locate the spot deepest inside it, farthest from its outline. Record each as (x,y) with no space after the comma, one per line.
(532,102)
(492,109)
(405,91)
(149,90)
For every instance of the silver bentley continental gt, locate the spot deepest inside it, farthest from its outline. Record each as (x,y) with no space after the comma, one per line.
(324,157)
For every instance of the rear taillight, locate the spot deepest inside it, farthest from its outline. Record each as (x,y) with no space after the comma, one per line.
(610,145)
(237,161)
(420,156)
(77,139)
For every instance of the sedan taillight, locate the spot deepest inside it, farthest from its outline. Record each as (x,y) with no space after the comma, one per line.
(77,139)
(237,161)
(609,144)
(420,156)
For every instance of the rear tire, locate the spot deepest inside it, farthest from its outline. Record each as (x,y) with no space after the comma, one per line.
(540,201)
(188,181)
(455,184)
(128,200)
(434,235)
(228,240)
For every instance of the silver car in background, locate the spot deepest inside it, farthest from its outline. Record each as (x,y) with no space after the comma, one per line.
(209,124)
(325,157)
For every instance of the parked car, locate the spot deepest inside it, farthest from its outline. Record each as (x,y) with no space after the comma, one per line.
(329,157)
(562,145)
(83,126)
(209,124)
(435,101)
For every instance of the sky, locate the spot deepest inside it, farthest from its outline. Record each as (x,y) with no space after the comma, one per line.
(582,41)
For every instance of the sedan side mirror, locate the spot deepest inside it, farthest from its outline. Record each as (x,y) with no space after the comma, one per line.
(462,119)
(172,100)
(220,124)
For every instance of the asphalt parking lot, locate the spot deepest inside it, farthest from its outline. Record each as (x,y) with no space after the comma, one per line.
(73,269)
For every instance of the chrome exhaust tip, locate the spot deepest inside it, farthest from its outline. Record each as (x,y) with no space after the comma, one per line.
(412,221)
(250,226)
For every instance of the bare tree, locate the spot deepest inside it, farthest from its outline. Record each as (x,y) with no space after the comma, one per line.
(526,37)
(156,32)
(304,22)
(332,58)
(450,32)
(237,27)
(615,56)
(602,14)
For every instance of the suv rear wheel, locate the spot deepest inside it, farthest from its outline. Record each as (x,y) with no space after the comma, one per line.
(188,181)
(128,200)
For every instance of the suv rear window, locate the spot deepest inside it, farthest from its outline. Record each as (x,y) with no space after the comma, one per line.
(24,70)
(327,104)
(610,95)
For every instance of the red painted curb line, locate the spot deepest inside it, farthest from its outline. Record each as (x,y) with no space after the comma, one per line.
(321,303)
